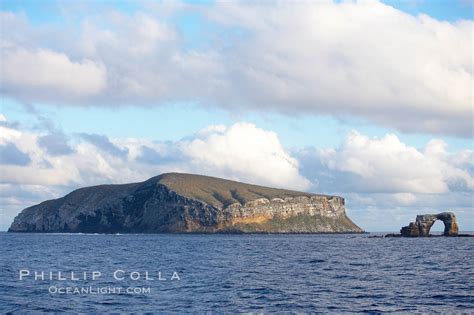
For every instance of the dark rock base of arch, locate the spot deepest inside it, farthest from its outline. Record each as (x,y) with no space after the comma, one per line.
(423,224)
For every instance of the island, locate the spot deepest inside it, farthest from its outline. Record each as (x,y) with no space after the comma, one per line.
(423,223)
(187,203)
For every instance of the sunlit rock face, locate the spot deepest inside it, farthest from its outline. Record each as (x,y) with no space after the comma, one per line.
(180,203)
(423,224)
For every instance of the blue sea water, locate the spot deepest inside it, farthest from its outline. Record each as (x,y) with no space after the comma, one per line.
(237,273)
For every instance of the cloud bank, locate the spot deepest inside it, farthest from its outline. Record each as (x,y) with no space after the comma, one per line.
(377,176)
(44,71)
(360,59)
(242,152)
(387,165)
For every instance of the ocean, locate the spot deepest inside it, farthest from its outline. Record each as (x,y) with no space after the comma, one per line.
(182,273)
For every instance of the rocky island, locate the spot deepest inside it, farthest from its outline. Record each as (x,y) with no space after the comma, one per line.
(423,223)
(181,203)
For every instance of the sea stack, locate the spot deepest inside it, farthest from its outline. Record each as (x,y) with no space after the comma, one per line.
(424,222)
(186,203)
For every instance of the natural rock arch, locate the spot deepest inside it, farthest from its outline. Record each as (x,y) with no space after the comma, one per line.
(424,222)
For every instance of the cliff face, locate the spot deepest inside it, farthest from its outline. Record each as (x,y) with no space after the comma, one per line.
(186,203)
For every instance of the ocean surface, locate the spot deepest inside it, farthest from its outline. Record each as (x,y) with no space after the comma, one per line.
(235,273)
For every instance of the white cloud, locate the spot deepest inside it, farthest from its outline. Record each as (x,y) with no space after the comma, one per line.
(362,59)
(246,153)
(241,152)
(389,165)
(365,59)
(404,198)
(46,71)
(8,134)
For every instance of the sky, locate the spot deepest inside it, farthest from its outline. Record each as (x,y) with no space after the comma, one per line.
(369,100)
